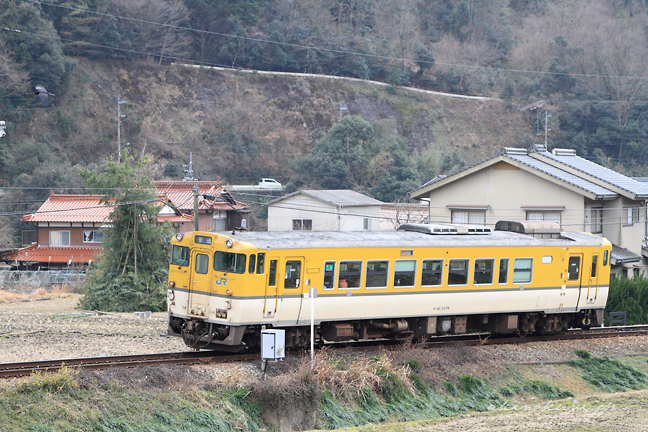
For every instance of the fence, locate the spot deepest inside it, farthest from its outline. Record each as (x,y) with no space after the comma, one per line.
(20,281)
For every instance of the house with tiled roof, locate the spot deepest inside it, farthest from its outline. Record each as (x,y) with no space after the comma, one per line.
(217,209)
(559,186)
(324,210)
(68,227)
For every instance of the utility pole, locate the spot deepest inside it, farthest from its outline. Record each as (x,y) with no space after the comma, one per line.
(195,190)
(188,169)
(547,115)
(2,129)
(120,102)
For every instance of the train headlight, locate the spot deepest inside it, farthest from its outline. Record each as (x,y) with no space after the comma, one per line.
(178,236)
(229,243)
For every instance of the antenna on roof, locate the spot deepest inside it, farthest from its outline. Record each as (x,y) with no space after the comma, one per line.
(188,170)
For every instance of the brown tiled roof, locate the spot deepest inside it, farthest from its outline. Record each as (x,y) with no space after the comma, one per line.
(71,208)
(38,253)
(180,193)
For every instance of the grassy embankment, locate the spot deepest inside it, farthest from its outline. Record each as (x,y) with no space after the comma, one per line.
(342,390)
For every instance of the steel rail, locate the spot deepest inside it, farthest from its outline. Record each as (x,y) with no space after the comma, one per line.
(20,369)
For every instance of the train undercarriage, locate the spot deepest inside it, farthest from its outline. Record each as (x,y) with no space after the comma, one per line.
(200,334)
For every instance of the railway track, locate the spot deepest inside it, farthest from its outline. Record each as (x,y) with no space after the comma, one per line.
(19,369)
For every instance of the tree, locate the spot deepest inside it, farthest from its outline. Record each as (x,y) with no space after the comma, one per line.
(339,160)
(131,272)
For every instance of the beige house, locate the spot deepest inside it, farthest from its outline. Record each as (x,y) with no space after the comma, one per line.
(324,210)
(553,186)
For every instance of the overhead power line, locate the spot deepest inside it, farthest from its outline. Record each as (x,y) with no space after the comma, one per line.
(331,50)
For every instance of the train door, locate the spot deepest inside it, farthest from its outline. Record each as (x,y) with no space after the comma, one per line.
(200,285)
(271,292)
(290,292)
(574,275)
(592,286)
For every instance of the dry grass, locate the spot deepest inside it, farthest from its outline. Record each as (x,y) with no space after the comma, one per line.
(57,291)
(360,373)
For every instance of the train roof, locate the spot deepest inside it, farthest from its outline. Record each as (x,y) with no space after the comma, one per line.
(406,239)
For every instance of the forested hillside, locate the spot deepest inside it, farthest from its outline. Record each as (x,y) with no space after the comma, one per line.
(578,65)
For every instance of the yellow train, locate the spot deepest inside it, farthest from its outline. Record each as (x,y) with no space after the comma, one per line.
(422,280)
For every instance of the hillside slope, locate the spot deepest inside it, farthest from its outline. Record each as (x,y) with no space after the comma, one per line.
(240,126)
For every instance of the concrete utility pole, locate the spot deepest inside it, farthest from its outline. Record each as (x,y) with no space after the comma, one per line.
(547,115)
(2,129)
(119,117)
(195,190)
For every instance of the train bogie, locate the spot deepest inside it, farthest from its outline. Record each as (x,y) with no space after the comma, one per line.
(223,289)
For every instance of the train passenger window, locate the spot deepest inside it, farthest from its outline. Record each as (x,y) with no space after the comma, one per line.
(292,275)
(252,263)
(180,255)
(377,274)
(272,277)
(202,263)
(605,258)
(329,275)
(432,272)
(594,262)
(573,269)
(483,271)
(404,273)
(350,274)
(260,263)
(229,262)
(522,270)
(503,271)
(458,271)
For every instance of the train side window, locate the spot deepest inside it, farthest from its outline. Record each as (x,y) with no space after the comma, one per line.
(272,277)
(404,273)
(202,263)
(503,271)
(260,263)
(458,271)
(180,255)
(329,275)
(432,272)
(350,274)
(229,262)
(522,270)
(605,258)
(573,269)
(483,273)
(377,274)
(293,272)
(594,262)
(252,263)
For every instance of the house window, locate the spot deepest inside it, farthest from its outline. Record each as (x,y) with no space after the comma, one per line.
(549,216)
(631,215)
(367,224)
(475,217)
(597,220)
(59,238)
(219,224)
(92,237)
(302,225)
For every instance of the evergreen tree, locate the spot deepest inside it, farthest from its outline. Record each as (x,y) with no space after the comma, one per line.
(131,273)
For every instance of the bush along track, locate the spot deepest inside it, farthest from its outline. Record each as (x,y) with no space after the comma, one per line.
(337,391)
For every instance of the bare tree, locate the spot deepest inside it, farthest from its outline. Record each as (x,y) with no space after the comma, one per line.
(157,25)
(13,78)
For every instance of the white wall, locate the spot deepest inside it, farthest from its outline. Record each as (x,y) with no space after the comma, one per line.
(324,215)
